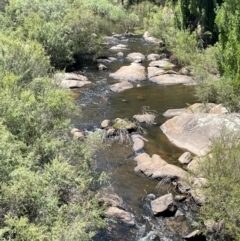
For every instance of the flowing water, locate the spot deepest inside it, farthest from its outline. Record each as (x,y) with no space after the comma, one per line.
(99,103)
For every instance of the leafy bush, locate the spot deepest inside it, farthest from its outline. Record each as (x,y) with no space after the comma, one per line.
(24,59)
(64,29)
(221,168)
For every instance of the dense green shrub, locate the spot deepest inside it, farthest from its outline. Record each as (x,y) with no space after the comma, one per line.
(63,28)
(25,59)
(221,168)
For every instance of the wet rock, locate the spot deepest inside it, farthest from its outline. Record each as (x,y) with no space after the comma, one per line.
(138,142)
(136,57)
(119,55)
(102,67)
(105,123)
(147,118)
(153,57)
(147,37)
(120,215)
(119,47)
(118,87)
(163,204)
(154,71)
(134,72)
(169,79)
(194,132)
(70,80)
(185,158)
(163,64)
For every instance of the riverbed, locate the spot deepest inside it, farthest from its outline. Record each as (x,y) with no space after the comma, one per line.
(98,102)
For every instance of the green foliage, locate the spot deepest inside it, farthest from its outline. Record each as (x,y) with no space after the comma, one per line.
(24,59)
(221,168)
(227,20)
(63,28)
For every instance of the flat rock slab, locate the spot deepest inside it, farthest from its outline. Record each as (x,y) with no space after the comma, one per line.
(163,64)
(156,167)
(135,57)
(118,87)
(194,132)
(163,204)
(169,79)
(134,72)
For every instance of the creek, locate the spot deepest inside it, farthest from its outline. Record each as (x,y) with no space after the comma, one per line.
(98,102)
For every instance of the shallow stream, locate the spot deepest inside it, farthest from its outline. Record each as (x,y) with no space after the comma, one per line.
(98,102)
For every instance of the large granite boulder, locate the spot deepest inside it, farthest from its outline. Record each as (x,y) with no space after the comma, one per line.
(194,132)
(118,87)
(169,79)
(134,72)
(163,204)
(156,167)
